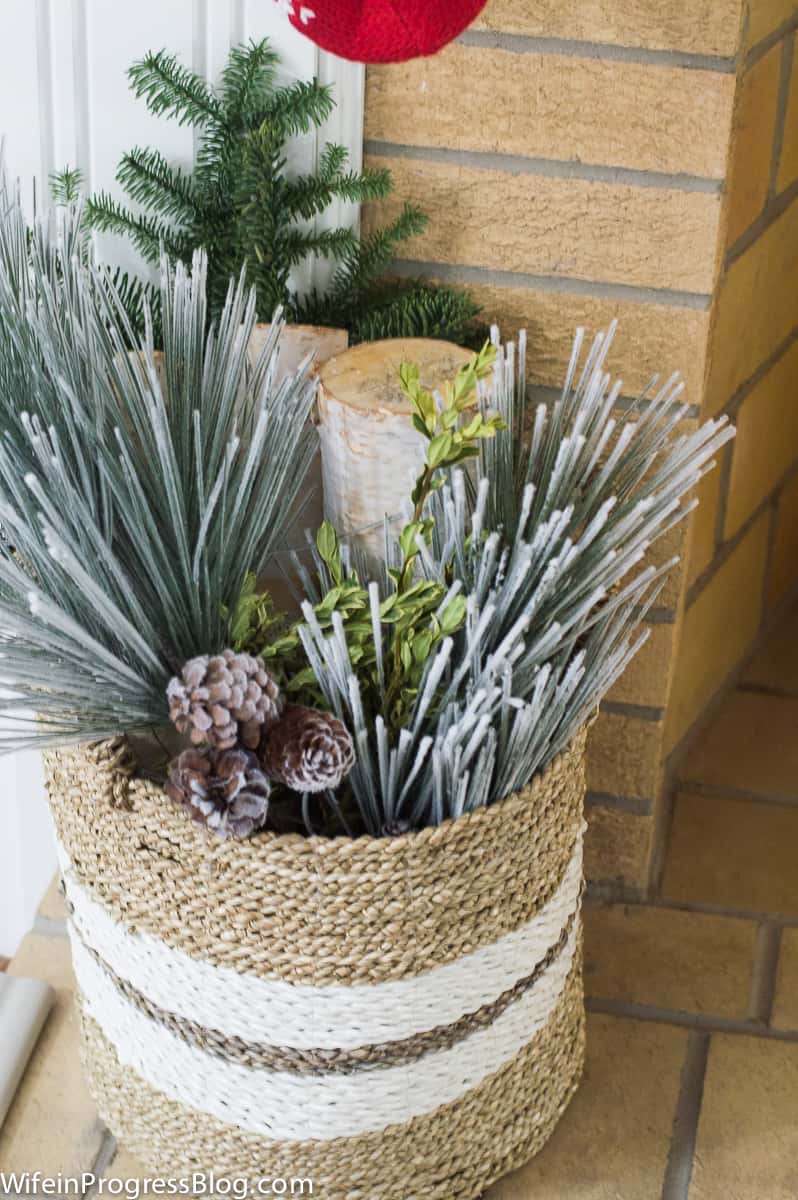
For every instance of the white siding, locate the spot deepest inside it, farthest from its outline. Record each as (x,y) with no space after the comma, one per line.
(64,100)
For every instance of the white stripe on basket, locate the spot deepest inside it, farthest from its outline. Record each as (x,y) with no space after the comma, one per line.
(332,1017)
(279,1105)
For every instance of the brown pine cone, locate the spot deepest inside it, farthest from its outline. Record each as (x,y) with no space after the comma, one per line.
(227,791)
(224,699)
(308,750)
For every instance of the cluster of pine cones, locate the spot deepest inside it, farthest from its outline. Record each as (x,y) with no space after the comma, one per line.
(244,739)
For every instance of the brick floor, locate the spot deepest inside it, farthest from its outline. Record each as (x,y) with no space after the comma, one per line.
(691,1087)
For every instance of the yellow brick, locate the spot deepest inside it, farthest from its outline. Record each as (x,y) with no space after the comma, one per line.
(623,756)
(747,1140)
(651,339)
(618,847)
(717,631)
(529,104)
(784,551)
(613,1141)
(702,529)
(788,160)
(767,440)
(756,309)
(700,26)
(647,678)
(785,1004)
(752,143)
(670,959)
(765,16)
(570,228)
(732,853)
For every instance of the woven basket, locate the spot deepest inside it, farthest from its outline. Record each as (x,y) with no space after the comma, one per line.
(390,1018)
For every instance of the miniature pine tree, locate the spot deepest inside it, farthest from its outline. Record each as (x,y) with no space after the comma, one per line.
(243,208)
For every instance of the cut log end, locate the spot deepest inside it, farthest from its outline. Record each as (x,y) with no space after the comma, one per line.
(367,376)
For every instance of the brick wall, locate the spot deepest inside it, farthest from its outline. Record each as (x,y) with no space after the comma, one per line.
(743,561)
(573,161)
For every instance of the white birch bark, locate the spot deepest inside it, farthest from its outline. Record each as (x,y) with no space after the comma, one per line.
(370,452)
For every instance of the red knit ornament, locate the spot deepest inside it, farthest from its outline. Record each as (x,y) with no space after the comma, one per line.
(374,31)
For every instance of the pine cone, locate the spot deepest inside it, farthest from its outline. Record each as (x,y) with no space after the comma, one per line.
(308,750)
(228,791)
(224,699)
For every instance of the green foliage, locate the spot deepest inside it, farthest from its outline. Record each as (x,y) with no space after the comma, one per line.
(254,622)
(133,500)
(417,614)
(417,309)
(453,438)
(241,206)
(139,301)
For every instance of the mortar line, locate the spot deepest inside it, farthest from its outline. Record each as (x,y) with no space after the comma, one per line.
(775,209)
(769,551)
(702,720)
(770,40)
(744,390)
(542,393)
(724,551)
(712,791)
(552,168)
(785,73)
(594,289)
(638,806)
(698,1022)
(520,43)
(679,1167)
(606,893)
(776,691)
(637,712)
(763,976)
(725,473)
(663,821)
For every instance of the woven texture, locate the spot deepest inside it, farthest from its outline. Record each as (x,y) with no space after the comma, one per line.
(391,1017)
(372,31)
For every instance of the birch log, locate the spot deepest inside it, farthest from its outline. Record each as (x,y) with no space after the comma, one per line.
(370,452)
(296,343)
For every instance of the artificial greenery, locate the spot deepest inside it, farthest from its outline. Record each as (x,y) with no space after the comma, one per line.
(547,550)
(243,207)
(140,301)
(135,496)
(419,613)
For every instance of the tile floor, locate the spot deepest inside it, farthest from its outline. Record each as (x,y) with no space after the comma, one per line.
(691,1087)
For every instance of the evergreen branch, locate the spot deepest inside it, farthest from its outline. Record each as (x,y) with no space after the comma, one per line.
(149,234)
(168,88)
(247,82)
(240,204)
(417,309)
(300,107)
(305,196)
(149,180)
(65,185)
(374,254)
(327,243)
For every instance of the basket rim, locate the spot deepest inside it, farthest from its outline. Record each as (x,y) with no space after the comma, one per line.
(271,839)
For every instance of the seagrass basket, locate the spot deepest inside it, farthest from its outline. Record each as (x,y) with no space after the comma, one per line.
(390,1018)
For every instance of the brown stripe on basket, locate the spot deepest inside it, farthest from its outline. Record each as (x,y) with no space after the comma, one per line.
(315,911)
(330,1061)
(452,1153)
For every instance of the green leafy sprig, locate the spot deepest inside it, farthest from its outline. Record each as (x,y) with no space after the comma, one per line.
(417,614)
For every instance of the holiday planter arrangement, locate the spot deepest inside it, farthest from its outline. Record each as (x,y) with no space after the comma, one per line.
(323,867)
